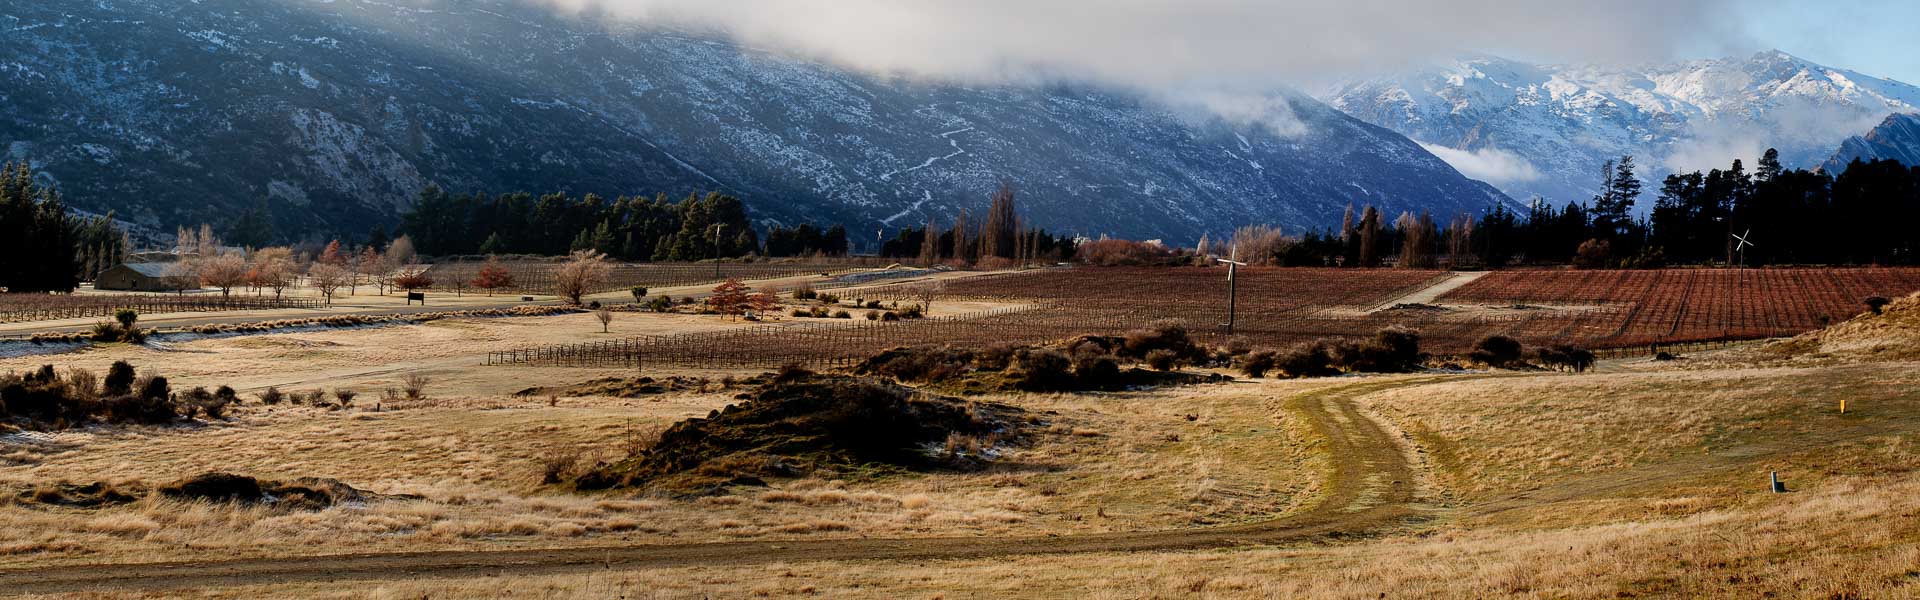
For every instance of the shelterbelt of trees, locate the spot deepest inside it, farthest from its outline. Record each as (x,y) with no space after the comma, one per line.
(694,228)
(1864,215)
(43,247)
(627,228)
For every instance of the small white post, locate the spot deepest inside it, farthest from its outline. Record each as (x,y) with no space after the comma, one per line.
(1778,488)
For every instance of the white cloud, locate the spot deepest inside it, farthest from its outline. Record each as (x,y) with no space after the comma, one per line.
(1169,43)
(1492,165)
(1272,111)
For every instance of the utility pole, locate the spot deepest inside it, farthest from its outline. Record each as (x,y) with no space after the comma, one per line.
(717,228)
(1233,292)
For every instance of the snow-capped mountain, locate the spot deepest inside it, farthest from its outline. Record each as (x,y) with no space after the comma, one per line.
(1897,138)
(1547,129)
(339,111)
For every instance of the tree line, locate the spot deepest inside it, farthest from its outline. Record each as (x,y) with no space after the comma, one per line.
(631,228)
(1861,216)
(44,248)
(1001,239)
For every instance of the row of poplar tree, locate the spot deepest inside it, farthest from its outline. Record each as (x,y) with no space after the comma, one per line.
(43,247)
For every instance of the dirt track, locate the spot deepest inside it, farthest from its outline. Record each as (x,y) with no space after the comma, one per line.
(1370,490)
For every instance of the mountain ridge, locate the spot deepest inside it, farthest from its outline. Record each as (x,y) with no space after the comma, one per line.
(1897,138)
(339,111)
(1565,120)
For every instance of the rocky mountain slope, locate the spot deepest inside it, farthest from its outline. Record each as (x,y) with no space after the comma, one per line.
(1897,138)
(339,111)
(1545,129)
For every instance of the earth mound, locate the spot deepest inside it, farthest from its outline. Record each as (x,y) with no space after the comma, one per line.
(623,387)
(803,423)
(305,493)
(1892,333)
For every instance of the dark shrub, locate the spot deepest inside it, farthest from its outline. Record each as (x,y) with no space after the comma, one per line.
(801,312)
(345,396)
(873,316)
(1563,356)
(1399,348)
(126,317)
(1238,346)
(889,316)
(1876,303)
(841,314)
(1163,360)
(1170,335)
(119,381)
(1097,371)
(1042,369)
(1257,364)
(105,331)
(996,357)
(912,311)
(315,396)
(1497,351)
(140,409)
(1306,359)
(272,396)
(155,388)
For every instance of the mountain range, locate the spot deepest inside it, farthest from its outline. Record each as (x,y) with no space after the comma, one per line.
(337,112)
(1897,138)
(1544,130)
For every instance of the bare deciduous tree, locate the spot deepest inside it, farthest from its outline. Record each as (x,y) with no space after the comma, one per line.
(224,272)
(926,293)
(327,278)
(577,277)
(605,316)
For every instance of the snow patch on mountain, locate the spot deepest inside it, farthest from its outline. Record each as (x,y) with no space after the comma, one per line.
(1565,121)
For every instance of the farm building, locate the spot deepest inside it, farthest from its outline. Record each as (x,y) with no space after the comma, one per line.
(144,277)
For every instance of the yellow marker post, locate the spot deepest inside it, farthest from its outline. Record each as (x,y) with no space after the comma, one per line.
(1843,406)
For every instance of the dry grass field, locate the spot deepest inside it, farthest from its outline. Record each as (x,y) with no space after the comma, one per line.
(1640,479)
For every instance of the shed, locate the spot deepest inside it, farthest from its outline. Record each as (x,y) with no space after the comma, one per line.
(144,277)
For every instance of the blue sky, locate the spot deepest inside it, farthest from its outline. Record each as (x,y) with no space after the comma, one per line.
(1875,37)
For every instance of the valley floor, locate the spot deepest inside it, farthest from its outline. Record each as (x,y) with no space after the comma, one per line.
(1641,479)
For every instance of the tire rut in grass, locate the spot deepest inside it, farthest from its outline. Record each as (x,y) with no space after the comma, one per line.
(1370,491)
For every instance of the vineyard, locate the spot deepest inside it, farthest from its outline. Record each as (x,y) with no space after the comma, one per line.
(1279,306)
(1638,308)
(20,308)
(536,276)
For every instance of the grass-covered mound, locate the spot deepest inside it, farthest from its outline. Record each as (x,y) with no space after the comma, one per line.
(1084,363)
(800,424)
(636,387)
(1886,330)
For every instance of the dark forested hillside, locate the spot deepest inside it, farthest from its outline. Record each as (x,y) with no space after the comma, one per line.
(339,113)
